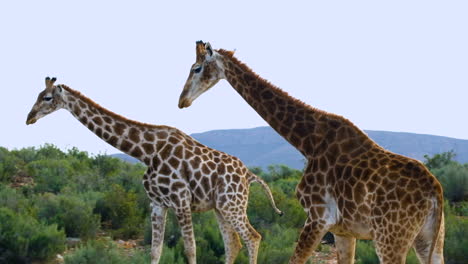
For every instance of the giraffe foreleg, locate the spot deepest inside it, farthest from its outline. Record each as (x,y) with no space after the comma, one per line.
(310,237)
(232,244)
(158,222)
(184,217)
(345,247)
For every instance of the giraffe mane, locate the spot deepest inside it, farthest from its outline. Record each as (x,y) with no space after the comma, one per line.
(108,112)
(244,67)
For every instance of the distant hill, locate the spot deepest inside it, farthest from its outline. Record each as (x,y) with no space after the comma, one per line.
(125,157)
(262,146)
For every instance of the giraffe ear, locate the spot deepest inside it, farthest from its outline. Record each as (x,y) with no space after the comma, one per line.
(208,49)
(58,89)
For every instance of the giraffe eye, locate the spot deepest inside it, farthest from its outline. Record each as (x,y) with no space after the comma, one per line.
(197,69)
(47,98)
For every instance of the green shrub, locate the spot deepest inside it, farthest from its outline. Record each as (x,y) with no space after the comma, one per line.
(14,200)
(70,213)
(50,175)
(461,208)
(439,160)
(106,252)
(365,254)
(24,239)
(277,244)
(454,179)
(50,152)
(276,172)
(8,165)
(456,238)
(102,252)
(118,209)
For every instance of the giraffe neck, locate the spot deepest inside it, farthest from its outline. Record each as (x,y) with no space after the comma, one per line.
(133,138)
(309,130)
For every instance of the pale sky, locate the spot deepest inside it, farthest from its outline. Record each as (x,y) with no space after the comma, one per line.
(385,65)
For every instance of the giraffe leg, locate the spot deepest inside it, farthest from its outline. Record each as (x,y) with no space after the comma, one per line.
(184,217)
(394,252)
(232,244)
(158,222)
(345,249)
(422,245)
(239,221)
(309,239)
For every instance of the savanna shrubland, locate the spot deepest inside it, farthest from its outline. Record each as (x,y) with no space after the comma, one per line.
(77,195)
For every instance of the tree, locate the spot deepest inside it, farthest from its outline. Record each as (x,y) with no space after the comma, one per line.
(439,160)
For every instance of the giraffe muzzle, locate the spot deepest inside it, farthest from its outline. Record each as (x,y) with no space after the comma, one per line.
(30,121)
(184,102)
(31,118)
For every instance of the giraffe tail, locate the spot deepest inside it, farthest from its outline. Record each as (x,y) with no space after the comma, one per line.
(439,223)
(254,178)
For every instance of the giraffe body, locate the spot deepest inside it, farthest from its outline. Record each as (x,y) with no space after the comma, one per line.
(351,186)
(182,173)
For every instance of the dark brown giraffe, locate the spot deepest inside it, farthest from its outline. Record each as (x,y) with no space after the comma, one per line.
(182,173)
(351,186)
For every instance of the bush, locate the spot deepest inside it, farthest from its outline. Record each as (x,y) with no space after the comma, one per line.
(12,199)
(277,244)
(118,209)
(70,213)
(103,252)
(365,254)
(8,165)
(456,234)
(50,175)
(276,172)
(454,179)
(24,239)
(106,252)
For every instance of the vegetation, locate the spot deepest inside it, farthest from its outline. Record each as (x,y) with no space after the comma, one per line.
(47,195)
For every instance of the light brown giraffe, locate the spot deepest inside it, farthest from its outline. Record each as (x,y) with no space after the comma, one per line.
(351,186)
(182,173)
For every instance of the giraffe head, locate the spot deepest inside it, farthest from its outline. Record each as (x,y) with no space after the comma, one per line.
(204,74)
(47,101)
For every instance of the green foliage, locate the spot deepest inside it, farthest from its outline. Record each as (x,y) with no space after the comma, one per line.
(104,252)
(70,213)
(452,175)
(78,195)
(118,209)
(14,200)
(365,254)
(456,237)
(454,179)
(280,245)
(439,160)
(50,175)
(23,238)
(276,172)
(8,165)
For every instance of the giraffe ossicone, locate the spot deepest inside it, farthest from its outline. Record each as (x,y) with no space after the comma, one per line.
(182,173)
(351,186)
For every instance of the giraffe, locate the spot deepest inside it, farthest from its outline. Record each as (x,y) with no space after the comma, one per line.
(182,173)
(350,186)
